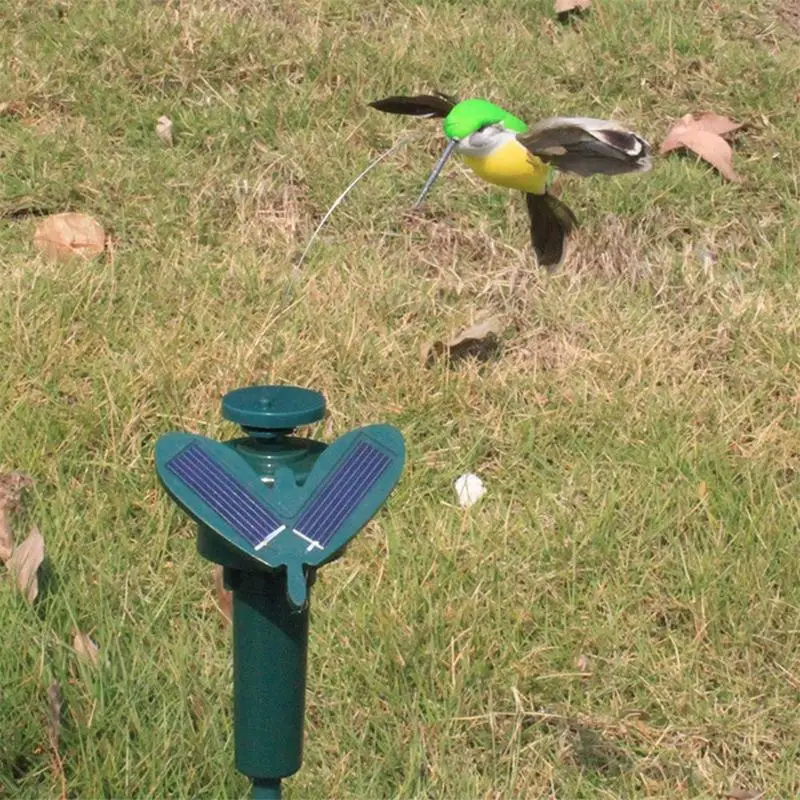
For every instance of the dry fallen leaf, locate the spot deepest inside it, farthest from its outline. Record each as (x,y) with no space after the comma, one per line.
(743,794)
(564,7)
(6,535)
(25,562)
(86,648)
(12,484)
(224,596)
(479,340)
(164,130)
(63,236)
(702,134)
(713,149)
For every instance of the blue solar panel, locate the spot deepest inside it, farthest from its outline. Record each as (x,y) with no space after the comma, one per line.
(340,493)
(225,495)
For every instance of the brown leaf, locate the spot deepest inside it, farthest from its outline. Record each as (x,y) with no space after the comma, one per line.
(712,148)
(224,596)
(6,535)
(479,340)
(86,648)
(743,794)
(702,134)
(12,484)
(25,562)
(707,121)
(64,236)
(714,123)
(564,7)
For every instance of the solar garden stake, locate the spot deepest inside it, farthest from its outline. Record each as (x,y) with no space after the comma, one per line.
(272,508)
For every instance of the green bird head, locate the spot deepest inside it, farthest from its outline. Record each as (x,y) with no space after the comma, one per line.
(474,127)
(470,116)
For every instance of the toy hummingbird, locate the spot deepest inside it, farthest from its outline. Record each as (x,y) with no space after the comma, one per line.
(503,150)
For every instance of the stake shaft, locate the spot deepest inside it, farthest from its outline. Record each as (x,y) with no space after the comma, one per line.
(266,789)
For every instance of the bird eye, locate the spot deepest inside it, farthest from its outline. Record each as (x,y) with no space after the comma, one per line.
(481,137)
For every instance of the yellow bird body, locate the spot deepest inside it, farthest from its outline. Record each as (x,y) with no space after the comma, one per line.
(513,166)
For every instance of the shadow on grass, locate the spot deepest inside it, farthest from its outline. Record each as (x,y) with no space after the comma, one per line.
(481,350)
(595,752)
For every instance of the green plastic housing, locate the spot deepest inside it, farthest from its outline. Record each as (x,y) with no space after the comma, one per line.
(270,647)
(270,637)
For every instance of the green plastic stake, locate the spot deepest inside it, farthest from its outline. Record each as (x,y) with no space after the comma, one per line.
(271,509)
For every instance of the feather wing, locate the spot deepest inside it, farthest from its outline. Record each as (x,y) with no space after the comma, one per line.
(587,146)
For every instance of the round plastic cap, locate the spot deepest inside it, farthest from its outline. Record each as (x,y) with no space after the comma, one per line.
(276,408)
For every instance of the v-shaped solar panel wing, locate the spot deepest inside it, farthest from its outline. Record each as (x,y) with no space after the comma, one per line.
(285,524)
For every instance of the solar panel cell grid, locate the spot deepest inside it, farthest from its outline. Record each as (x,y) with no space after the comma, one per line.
(225,495)
(338,496)
(341,493)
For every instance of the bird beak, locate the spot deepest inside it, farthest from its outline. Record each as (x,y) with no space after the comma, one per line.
(436,170)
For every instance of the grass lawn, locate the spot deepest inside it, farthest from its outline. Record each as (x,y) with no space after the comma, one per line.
(618,617)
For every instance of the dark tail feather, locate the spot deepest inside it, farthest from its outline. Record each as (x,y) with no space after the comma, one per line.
(423,105)
(551,222)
